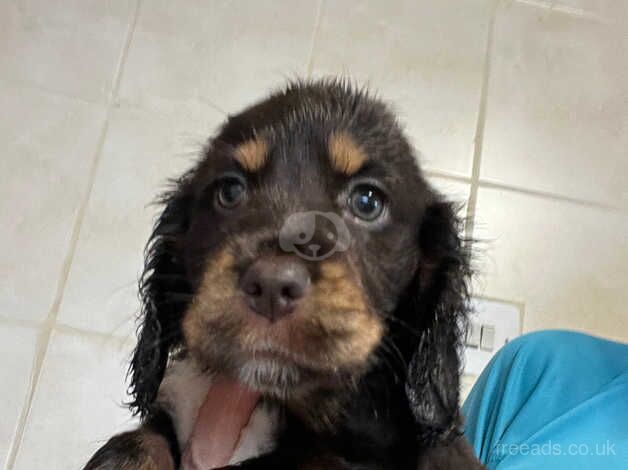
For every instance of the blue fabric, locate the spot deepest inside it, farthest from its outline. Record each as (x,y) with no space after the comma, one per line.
(552,400)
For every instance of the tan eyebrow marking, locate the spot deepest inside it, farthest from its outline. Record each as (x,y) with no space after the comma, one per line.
(252,154)
(346,155)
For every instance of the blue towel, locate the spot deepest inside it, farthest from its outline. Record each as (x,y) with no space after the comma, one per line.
(552,400)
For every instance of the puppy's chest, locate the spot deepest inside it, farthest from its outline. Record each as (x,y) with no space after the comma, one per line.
(182,393)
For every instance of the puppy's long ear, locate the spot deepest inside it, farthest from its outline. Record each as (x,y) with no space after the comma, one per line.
(439,305)
(164,292)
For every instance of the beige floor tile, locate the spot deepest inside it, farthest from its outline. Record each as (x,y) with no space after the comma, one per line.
(49,144)
(426,57)
(557,105)
(68,47)
(221,52)
(567,263)
(17,350)
(141,151)
(78,403)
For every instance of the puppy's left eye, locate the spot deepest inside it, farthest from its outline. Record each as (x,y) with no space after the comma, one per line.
(230,192)
(366,202)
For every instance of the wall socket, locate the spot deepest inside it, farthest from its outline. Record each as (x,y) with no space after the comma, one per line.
(491,325)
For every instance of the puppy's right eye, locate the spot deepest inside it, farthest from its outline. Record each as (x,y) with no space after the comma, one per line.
(366,202)
(230,192)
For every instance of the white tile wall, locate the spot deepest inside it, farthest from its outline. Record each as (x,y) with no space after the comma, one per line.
(216,52)
(568,264)
(425,56)
(65,424)
(141,150)
(518,106)
(49,144)
(17,354)
(557,102)
(455,191)
(69,47)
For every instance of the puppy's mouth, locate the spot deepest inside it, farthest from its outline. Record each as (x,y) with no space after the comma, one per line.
(268,352)
(328,335)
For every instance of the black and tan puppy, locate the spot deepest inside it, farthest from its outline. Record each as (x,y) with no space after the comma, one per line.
(305,257)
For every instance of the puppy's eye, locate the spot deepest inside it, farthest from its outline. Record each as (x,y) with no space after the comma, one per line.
(366,202)
(230,192)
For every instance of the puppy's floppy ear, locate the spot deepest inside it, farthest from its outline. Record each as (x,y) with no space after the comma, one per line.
(439,305)
(164,293)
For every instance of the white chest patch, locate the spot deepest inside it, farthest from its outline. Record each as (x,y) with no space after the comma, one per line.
(183,391)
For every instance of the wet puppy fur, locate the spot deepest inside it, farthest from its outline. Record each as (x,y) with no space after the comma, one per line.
(366,367)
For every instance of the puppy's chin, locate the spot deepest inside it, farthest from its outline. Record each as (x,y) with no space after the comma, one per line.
(274,377)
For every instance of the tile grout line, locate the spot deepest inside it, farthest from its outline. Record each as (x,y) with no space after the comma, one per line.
(548,195)
(60,327)
(46,91)
(210,104)
(115,88)
(554,6)
(491,298)
(478,141)
(315,31)
(445,175)
(46,328)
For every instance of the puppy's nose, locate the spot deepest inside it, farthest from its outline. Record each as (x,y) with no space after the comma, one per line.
(273,286)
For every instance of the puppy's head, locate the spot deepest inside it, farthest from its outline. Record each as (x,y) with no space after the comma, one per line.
(294,248)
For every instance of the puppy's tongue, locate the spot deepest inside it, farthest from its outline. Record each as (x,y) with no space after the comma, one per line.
(225,412)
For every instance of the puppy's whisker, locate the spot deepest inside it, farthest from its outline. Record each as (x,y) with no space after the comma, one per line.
(164,338)
(382,357)
(387,346)
(388,342)
(407,327)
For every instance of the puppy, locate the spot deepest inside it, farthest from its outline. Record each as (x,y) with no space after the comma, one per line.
(305,263)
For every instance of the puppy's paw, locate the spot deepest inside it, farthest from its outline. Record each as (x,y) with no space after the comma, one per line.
(137,450)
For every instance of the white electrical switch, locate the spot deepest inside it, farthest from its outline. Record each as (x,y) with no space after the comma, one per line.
(491,325)
(474,335)
(487,343)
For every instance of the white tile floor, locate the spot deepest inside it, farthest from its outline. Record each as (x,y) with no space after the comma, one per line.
(519,108)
